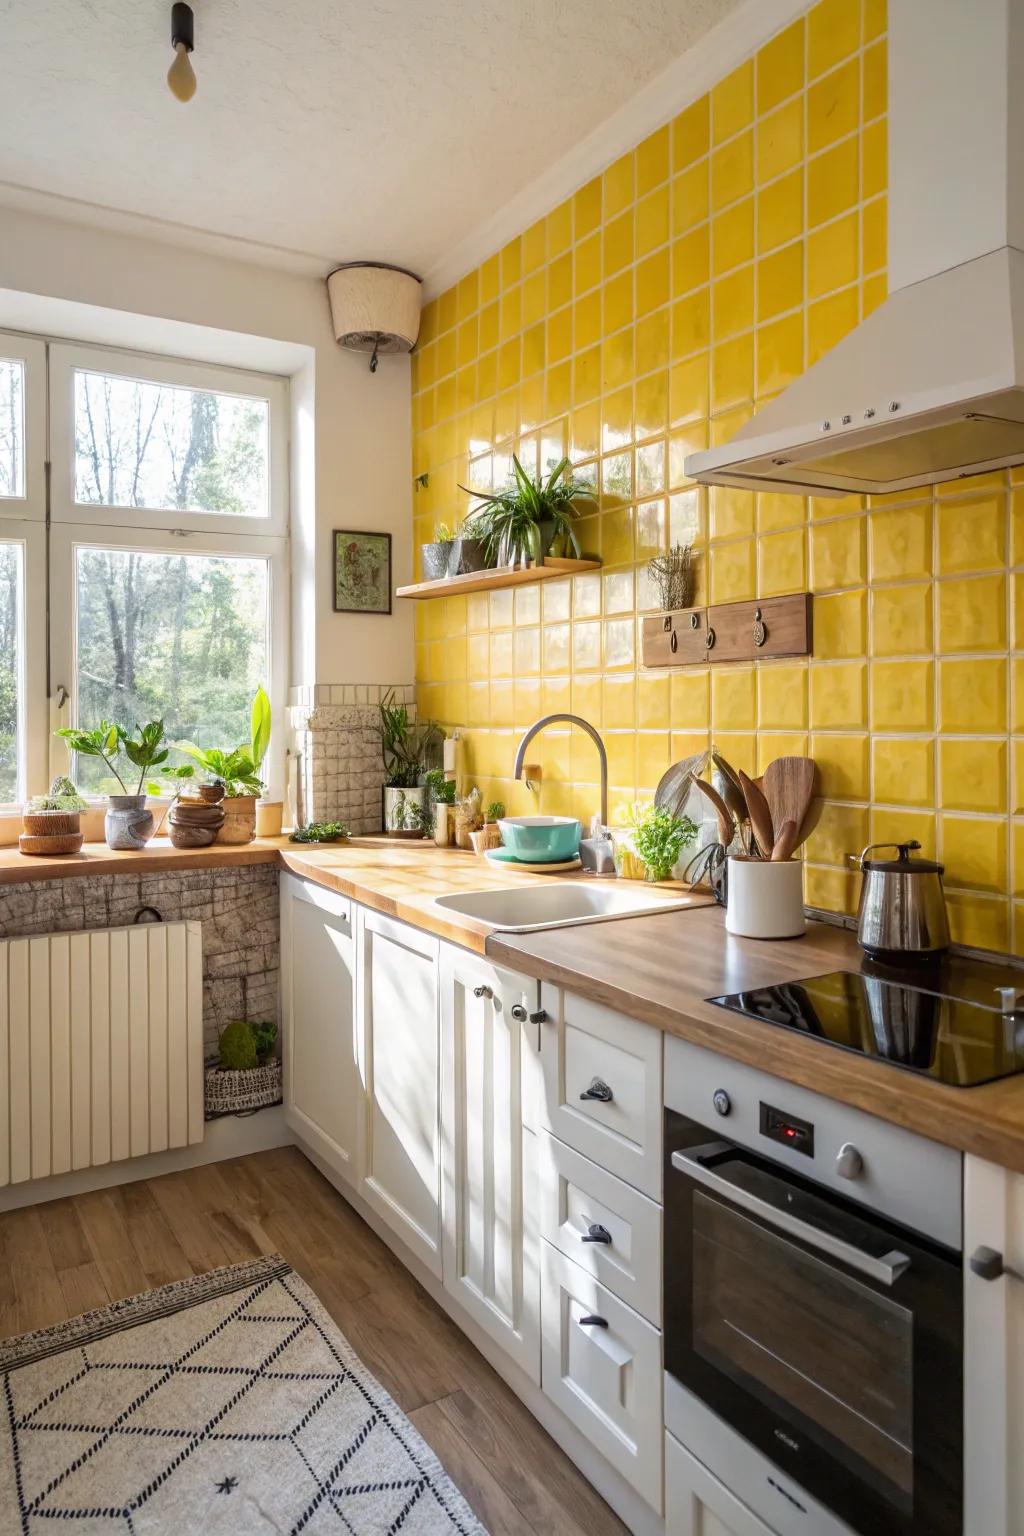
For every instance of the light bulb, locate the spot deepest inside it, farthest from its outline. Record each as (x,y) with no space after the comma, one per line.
(181,77)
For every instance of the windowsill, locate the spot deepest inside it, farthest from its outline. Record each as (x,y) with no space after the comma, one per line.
(97,859)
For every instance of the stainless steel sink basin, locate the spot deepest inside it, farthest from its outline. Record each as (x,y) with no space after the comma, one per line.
(558,905)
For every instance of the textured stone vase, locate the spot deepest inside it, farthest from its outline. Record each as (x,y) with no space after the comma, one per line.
(239,819)
(127,824)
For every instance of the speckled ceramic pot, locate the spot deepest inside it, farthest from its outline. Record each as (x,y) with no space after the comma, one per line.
(127,824)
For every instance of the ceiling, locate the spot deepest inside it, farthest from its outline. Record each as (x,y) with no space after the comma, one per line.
(341,129)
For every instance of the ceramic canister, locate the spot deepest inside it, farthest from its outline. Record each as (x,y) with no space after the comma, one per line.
(766,899)
(127,824)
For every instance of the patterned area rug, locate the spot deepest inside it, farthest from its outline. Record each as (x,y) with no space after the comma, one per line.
(226,1403)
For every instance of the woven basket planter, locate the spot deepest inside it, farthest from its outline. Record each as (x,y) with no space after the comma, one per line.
(232,1092)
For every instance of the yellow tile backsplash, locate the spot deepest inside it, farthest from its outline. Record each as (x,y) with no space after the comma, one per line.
(646,317)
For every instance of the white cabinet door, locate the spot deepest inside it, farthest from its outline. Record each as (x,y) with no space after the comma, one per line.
(993,1353)
(601,1364)
(697,1504)
(602,1087)
(489,1160)
(400,1061)
(323,1093)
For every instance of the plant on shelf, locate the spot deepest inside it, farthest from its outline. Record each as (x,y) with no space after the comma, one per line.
(435,557)
(441,790)
(50,824)
(673,575)
(247,1073)
(128,822)
(409,749)
(659,837)
(530,517)
(238,771)
(494,812)
(320,832)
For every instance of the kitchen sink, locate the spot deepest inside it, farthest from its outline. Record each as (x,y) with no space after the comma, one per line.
(557,906)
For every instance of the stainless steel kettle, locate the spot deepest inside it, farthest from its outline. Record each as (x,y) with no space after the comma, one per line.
(902,912)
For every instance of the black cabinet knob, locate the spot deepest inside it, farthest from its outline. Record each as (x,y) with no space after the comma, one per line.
(482,991)
(595,1233)
(593,1322)
(519,1013)
(599,1091)
(988,1264)
(721,1101)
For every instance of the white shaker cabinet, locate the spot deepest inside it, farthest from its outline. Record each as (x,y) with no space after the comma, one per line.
(323,1093)
(697,1504)
(489,1160)
(399,1040)
(993,1350)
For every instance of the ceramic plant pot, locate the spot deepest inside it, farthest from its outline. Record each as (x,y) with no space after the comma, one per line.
(193,822)
(434,561)
(467,555)
(404,811)
(50,832)
(127,824)
(239,819)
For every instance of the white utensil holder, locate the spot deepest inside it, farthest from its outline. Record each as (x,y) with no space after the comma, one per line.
(765,900)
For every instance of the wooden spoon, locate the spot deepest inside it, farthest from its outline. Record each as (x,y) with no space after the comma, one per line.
(785,842)
(760,815)
(726,825)
(789,790)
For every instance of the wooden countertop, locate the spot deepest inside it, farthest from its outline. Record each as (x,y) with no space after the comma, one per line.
(660,969)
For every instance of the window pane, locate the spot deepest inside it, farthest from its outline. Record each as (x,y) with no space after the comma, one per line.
(139,444)
(181,638)
(10,670)
(12,427)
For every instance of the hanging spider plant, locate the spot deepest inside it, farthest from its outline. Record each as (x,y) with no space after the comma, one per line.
(529,518)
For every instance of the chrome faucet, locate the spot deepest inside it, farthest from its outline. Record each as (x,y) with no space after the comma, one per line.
(584,725)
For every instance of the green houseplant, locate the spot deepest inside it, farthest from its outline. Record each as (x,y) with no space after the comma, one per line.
(442,793)
(435,557)
(238,771)
(247,1072)
(659,838)
(128,822)
(409,749)
(530,517)
(51,824)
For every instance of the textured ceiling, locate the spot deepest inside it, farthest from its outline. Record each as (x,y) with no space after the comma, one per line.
(338,128)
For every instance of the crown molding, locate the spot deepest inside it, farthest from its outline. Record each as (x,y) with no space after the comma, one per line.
(735,38)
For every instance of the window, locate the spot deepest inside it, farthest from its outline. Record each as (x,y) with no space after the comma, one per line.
(163,570)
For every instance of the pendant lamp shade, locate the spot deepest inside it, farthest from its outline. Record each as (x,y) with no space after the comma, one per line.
(375,308)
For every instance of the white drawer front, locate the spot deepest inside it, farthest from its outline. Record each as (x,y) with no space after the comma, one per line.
(606,1379)
(577,1196)
(588,1049)
(696,1504)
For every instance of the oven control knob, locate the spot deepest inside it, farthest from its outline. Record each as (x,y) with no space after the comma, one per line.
(722,1101)
(849,1163)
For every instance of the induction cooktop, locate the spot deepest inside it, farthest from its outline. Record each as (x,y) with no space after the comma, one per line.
(946,1023)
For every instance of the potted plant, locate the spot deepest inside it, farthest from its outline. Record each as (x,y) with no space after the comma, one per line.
(238,772)
(128,823)
(529,518)
(442,792)
(468,553)
(489,835)
(51,823)
(196,813)
(659,837)
(408,749)
(247,1073)
(434,557)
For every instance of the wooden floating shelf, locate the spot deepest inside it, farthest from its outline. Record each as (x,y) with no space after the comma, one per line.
(502,576)
(747,631)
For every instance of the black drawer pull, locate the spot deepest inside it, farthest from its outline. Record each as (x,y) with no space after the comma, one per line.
(592,1321)
(595,1233)
(598,1090)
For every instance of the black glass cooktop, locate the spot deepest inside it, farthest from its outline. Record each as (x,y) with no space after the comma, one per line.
(945,1022)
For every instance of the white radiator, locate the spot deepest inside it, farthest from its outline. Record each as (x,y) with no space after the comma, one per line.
(101,1047)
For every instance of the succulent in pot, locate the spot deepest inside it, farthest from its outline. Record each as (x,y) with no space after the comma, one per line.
(435,557)
(238,772)
(51,824)
(530,517)
(468,553)
(128,823)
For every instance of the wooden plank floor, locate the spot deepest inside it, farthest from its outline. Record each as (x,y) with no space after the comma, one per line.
(70,1255)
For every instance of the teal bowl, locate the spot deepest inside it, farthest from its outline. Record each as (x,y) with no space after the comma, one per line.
(541,839)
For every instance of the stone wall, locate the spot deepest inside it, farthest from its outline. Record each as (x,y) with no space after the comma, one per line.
(337,747)
(238,909)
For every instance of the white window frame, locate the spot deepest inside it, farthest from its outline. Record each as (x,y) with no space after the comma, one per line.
(66,359)
(67,538)
(31,353)
(33,706)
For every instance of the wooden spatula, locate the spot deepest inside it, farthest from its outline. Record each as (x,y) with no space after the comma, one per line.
(726,825)
(760,815)
(785,842)
(789,790)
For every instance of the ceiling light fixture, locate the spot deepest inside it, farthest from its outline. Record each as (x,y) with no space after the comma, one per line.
(375,307)
(181,76)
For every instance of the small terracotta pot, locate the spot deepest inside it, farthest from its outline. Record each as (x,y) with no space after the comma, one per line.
(194,823)
(239,819)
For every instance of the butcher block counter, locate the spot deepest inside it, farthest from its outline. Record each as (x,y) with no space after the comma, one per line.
(660,969)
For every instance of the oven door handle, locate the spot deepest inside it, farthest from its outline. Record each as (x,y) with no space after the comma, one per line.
(887,1269)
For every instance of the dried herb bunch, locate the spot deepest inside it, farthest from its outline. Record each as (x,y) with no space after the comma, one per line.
(673,575)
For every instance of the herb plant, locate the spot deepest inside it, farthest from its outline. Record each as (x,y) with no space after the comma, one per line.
(659,839)
(442,790)
(495,811)
(320,832)
(508,521)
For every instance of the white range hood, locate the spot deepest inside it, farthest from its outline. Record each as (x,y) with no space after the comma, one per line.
(929,387)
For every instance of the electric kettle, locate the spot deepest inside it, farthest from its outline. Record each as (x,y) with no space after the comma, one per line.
(902,914)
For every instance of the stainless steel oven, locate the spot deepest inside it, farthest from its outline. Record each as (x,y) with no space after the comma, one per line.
(827,1334)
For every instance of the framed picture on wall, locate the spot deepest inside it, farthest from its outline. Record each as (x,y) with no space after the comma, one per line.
(362,571)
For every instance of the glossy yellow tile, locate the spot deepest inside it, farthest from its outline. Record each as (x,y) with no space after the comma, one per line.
(840,625)
(732,103)
(973,694)
(843,765)
(838,554)
(780,66)
(973,850)
(903,770)
(900,543)
(972,535)
(972,613)
(901,620)
(902,696)
(973,774)
(839,696)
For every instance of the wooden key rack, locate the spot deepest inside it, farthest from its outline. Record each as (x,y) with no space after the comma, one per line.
(748,631)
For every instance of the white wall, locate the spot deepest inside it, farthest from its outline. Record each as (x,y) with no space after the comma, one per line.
(351,430)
